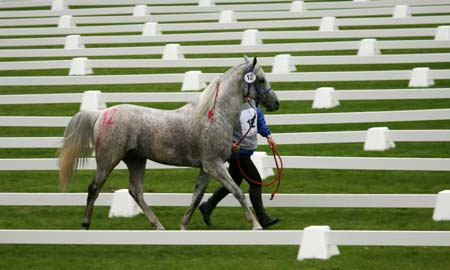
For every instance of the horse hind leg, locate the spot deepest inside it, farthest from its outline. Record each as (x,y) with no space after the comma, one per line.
(200,187)
(94,188)
(136,168)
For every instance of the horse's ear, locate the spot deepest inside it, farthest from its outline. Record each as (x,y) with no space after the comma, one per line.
(247,60)
(256,67)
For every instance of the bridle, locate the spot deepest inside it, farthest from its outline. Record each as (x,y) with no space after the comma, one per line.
(251,80)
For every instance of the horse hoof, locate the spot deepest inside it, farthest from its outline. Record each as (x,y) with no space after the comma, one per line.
(85,225)
(257,228)
(183,228)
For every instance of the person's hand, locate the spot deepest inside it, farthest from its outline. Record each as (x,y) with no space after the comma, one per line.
(235,147)
(271,142)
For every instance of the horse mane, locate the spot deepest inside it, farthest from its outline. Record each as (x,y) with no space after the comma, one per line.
(206,99)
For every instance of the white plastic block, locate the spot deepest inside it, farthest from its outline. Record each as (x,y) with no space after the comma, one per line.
(325,97)
(401,11)
(328,24)
(205,3)
(80,66)
(123,205)
(140,10)
(442,32)
(92,100)
(192,81)
(172,52)
(297,6)
(282,64)
(227,16)
(315,244)
(73,42)
(58,5)
(257,159)
(251,37)
(420,77)
(367,47)
(66,21)
(378,139)
(442,207)
(151,29)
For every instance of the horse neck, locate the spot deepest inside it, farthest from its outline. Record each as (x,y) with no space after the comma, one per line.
(222,98)
(229,102)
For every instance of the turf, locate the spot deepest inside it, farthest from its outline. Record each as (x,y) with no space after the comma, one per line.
(307,181)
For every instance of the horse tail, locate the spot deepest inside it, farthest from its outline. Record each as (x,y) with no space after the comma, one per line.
(78,136)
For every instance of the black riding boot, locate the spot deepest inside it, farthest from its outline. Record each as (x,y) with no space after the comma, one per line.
(207,207)
(255,197)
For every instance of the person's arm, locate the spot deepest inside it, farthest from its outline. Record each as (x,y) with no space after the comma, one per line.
(263,129)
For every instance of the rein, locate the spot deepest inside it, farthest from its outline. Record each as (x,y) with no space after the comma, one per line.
(213,108)
(276,157)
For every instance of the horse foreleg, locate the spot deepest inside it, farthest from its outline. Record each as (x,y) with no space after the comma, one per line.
(136,168)
(219,172)
(200,186)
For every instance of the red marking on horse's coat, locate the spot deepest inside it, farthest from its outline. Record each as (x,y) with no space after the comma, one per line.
(107,121)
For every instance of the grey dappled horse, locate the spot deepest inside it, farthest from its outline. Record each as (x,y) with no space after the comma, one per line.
(198,134)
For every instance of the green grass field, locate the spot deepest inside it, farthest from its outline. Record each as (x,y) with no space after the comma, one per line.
(307,181)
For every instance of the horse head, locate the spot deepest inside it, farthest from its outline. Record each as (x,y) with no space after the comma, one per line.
(258,87)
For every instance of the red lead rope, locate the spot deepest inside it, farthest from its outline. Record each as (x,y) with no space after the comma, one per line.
(276,157)
(278,163)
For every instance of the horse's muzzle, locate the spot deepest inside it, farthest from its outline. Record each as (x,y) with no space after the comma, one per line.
(272,106)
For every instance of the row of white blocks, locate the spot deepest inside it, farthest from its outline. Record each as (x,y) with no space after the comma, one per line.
(252,37)
(80,65)
(227,16)
(314,244)
(324,98)
(123,205)
(400,11)
(139,10)
(377,138)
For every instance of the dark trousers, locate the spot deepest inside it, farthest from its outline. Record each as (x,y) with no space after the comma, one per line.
(254,191)
(248,168)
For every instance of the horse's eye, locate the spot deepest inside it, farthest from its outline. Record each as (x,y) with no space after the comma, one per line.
(262,80)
